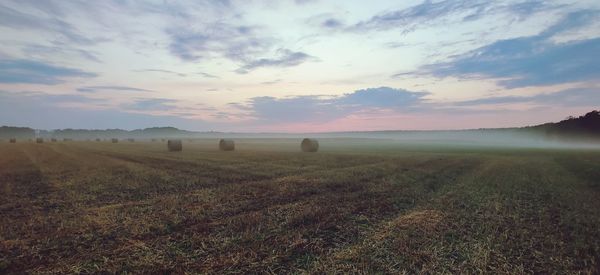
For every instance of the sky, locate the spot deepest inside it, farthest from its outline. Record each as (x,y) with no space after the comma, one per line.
(297,66)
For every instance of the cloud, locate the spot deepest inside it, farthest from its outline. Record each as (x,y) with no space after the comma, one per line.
(326,108)
(242,44)
(271,82)
(45,111)
(579,97)
(238,43)
(388,102)
(304,2)
(527,8)
(326,21)
(396,45)
(161,71)
(16,19)
(382,97)
(152,104)
(34,72)
(332,23)
(431,13)
(571,21)
(49,99)
(530,61)
(419,15)
(300,108)
(93,89)
(53,51)
(207,75)
(286,58)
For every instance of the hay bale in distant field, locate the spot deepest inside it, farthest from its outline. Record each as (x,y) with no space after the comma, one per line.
(98,140)
(39,140)
(174,145)
(53,140)
(114,140)
(226,145)
(309,145)
(13,140)
(66,139)
(131,140)
(162,139)
(153,140)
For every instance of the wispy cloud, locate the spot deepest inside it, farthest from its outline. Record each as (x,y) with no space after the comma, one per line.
(285,58)
(569,98)
(16,19)
(49,99)
(93,89)
(35,50)
(245,45)
(152,104)
(207,75)
(238,43)
(161,71)
(332,23)
(326,21)
(24,109)
(271,82)
(304,2)
(532,60)
(430,13)
(420,15)
(34,72)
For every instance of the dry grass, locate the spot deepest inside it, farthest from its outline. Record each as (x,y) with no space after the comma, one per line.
(91,207)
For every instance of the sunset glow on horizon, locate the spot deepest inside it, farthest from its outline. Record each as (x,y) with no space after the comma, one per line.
(297,66)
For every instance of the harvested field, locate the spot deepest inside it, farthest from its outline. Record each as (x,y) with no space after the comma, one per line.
(356,206)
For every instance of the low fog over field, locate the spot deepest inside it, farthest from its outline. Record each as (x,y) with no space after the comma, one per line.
(573,132)
(515,138)
(505,138)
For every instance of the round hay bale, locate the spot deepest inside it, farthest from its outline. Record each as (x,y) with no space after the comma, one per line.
(131,140)
(114,140)
(53,140)
(66,139)
(153,140)
(39,140)
(174,145)
(98,140)
(13,140)
(226,145)
(309,145)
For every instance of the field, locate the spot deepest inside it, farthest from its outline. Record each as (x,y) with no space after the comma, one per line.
(356,206)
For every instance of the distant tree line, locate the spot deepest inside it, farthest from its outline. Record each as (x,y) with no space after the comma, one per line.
(155,132)
(585,127)
(7,132)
